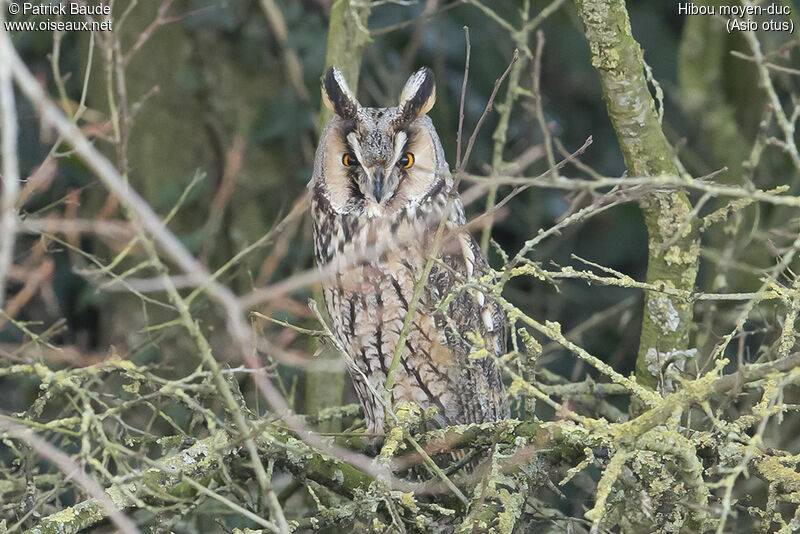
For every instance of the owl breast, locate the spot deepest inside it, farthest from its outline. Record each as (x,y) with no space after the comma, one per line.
(371,266)
(381,189)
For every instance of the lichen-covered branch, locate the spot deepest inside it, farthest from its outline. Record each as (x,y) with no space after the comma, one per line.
(201,461)
(673,245)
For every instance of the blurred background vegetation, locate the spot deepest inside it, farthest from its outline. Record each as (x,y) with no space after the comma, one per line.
(209,89)
(218,128)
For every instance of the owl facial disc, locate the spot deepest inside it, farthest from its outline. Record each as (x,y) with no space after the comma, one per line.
(379,159)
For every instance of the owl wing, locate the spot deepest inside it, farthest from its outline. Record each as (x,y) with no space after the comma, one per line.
(472,316)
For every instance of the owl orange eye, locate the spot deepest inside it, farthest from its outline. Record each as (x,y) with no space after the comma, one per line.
(407,161)
(348,160)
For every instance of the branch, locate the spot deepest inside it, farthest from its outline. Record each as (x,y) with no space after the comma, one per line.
(617,58)
(203,459)
(106,504)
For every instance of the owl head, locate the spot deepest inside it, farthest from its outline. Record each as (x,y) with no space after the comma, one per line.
(379,160)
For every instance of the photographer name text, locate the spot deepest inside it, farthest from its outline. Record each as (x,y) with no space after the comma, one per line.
(30,8)
(58,10)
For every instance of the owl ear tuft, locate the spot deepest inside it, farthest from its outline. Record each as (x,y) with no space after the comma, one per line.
(418,95)
(337,96)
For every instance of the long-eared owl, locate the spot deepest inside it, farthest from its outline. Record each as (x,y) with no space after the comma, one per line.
(379,193)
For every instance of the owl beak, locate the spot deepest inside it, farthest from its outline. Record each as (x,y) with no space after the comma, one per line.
(378,184)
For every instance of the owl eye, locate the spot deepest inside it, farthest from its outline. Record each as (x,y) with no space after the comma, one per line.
(407,161)
(349,160)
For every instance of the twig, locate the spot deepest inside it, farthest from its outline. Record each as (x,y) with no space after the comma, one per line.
(272,527)
(461,164)
(657,183)
(786,125)
(463,98)
(117,230)
(771,66)
(69,467)
(294,69)
(415,20)
(160,20)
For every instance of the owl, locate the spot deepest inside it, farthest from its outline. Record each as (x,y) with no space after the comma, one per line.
(379,192)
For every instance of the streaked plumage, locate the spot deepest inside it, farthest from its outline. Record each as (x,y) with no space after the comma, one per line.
(379,192)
